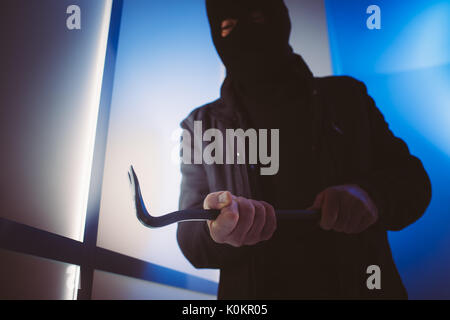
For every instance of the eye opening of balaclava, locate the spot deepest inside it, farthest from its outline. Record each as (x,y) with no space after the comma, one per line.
(252,51)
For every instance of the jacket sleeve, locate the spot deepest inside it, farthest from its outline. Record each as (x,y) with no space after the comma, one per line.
(193,237)
(398,183)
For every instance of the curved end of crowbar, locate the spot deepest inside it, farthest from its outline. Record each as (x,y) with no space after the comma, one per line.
(141,211)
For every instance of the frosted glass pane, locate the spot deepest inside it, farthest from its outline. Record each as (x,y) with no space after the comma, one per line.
(109,286)
(26,277)
(48,94)
(160,77)
(309,36)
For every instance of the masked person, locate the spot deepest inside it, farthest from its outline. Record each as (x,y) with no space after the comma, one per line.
(337,155)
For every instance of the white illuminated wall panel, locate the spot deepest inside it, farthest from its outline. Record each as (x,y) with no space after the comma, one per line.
(49,96)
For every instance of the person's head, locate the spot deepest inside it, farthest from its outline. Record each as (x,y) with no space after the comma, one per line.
(251,36)
(255,17)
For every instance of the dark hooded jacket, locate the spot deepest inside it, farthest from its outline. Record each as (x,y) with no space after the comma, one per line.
(347,142)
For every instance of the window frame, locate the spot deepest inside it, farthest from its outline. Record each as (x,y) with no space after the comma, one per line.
(20,238)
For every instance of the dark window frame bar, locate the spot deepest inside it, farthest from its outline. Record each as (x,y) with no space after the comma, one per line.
(24,239)
(17,237)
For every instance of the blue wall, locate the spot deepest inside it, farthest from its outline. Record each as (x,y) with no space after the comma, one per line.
(406,67)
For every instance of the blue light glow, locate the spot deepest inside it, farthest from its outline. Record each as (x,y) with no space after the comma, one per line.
(406,67)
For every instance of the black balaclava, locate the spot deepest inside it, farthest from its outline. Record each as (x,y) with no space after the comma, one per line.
(252,53)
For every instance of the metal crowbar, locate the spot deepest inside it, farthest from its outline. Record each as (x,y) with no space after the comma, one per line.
(195,214)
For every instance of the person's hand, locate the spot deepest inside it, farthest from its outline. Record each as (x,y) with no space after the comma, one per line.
(241,221)
(346,208)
